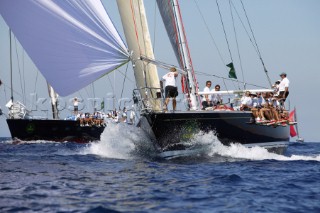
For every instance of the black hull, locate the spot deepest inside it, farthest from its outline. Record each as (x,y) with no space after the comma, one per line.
(53,130)
(169,129)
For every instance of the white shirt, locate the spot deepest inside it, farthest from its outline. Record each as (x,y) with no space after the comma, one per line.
(206,89)
(246,100)
(170,79)
(283,84)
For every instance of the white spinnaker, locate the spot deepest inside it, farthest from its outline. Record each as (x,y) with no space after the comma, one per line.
(72,42)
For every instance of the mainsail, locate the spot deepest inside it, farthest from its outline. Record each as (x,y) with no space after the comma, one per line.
(134,22)
(171,16)
(72,42)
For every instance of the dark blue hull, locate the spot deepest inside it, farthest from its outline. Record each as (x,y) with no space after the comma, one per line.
(53,130)
(228,126)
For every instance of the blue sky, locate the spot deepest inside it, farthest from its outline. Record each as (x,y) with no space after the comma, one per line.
(287,32)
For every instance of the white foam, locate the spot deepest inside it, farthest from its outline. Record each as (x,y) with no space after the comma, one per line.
(118,141)
(122,141)
(239,151)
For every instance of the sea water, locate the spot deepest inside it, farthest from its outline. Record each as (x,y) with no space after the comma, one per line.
(122,173)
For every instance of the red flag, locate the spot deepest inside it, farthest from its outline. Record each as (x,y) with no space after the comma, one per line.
(291,118)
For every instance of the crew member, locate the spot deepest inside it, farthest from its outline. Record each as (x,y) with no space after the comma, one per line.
(206,100)
(171,90)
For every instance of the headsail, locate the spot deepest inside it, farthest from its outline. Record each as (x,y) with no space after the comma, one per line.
(72,43)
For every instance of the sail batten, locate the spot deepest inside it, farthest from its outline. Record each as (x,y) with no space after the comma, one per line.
(72,43)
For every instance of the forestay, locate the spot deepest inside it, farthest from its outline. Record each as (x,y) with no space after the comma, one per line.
(72,42)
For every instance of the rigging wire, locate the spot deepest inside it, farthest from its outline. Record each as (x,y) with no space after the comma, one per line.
(224,30)
(225,35)
(113,93)
(132,81)
(20,76)
(212,38)
(94,96)
(14,91)
(111,84)
(11,73)
(236,39)
(5,92)
(36,83)
(23,73)
(155,25)
(255,41)
(245,28)
(124,80)
(228,79)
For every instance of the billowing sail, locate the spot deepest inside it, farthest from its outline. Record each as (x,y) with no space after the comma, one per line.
(72,42)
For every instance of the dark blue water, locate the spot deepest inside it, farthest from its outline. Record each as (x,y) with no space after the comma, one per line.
(113,176)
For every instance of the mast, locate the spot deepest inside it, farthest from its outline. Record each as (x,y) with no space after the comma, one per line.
(134,22)
(11,75)
(185,54)
(54,101)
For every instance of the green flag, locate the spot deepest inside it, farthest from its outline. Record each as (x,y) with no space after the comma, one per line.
(232,72)
(102,105)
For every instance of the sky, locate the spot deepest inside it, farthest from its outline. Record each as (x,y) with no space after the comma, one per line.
(287,33)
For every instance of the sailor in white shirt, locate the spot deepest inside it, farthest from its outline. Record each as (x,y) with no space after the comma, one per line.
(284,87)
(171,90)
(206,100)
(246,101)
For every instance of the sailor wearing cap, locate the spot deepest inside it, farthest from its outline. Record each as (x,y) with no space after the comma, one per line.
(283,87)
(75,105)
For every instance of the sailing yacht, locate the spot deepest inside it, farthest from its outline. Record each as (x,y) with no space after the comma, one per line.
(94,48)
(173,131)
